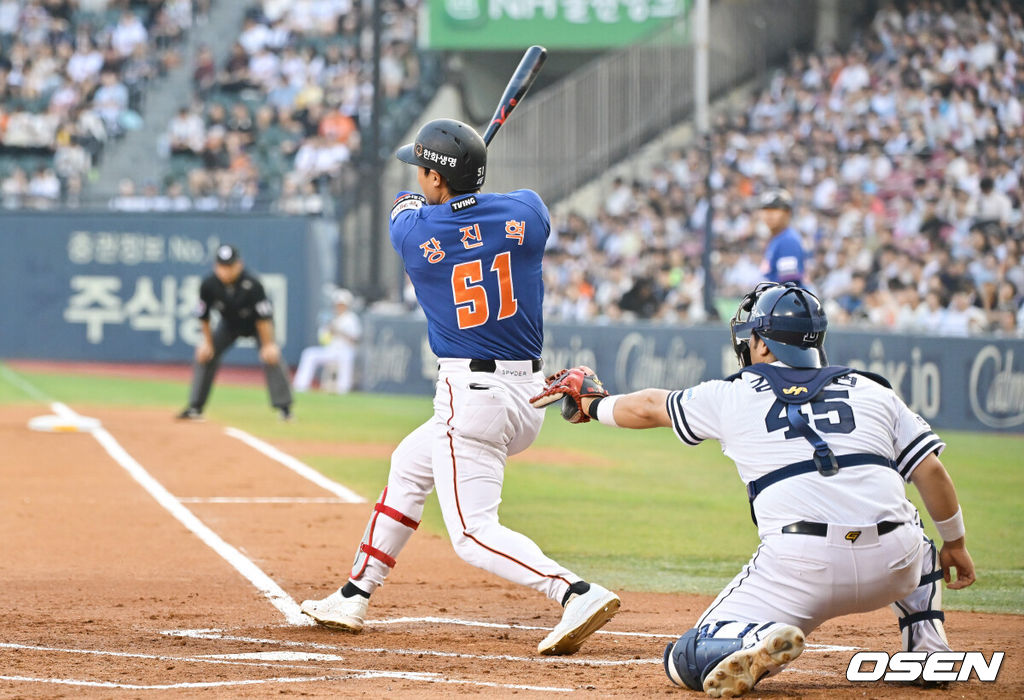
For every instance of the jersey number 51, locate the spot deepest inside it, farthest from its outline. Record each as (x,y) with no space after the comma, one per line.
(471,297)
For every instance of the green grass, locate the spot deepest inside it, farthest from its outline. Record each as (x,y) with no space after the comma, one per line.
(635,510)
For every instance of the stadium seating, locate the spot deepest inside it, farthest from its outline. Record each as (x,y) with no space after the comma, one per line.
(904,154)
(73,77)
(283,117)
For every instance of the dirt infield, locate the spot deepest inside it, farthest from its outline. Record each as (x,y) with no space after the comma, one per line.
(106,594)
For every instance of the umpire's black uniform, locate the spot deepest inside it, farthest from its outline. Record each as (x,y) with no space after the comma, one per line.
(243,304)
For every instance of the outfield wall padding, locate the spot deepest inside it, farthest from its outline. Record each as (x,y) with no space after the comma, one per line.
(124,287)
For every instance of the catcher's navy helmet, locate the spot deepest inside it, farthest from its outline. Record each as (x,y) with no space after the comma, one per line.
(453,149)
(789,319)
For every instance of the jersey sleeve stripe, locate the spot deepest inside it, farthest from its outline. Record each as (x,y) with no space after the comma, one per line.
(913,445)
(930,446)
(679,424)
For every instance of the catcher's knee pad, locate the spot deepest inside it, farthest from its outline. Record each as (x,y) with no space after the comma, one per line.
(384,540)
(692,657)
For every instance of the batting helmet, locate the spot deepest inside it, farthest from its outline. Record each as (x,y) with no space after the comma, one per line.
(789,319)
(453,149)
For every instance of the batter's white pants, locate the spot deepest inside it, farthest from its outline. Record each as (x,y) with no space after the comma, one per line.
(316,356)
(804,580)
(479,420)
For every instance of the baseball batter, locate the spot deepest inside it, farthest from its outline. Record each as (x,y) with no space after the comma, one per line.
(825,453)
(475,262)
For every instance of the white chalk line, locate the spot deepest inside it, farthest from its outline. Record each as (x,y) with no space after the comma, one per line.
(209,634)
(18,381)
(168,686)
(350,673)
(245,566)
(300,468)
(503,625)
(258,499)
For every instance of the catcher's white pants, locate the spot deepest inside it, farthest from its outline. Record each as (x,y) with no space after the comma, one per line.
(804,580)
(314,357)
(479,419)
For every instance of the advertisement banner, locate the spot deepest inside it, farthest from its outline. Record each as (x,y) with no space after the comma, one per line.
(124,287)
(958,383)
(555,24)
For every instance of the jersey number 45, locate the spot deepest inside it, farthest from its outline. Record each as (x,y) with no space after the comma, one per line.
(830,415)
(471,297)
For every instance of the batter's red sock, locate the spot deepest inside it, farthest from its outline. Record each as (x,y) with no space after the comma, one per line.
(580,587)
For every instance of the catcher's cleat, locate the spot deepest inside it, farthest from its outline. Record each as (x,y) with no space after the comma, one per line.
(190,413)
(584,614)
(737,673)
(338,612)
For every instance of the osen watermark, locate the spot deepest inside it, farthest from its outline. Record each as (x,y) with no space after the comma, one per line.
(938,667)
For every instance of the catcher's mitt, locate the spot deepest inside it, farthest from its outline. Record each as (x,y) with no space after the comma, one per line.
(571,386)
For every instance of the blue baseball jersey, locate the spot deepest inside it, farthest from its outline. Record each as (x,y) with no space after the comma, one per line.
(475,263)
(784,258)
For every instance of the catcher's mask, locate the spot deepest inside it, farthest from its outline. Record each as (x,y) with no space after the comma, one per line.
(788,318)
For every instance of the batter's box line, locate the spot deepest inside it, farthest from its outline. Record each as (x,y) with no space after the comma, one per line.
(343,673)
(216,635)
(500,625)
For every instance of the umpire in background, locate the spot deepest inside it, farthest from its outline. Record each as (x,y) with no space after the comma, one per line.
(245,311)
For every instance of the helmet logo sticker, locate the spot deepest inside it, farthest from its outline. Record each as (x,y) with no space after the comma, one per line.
(439,158)
(418,150)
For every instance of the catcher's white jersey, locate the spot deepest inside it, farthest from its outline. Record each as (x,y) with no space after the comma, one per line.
(854,415)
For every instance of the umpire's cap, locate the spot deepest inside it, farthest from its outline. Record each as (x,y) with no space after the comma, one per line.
(789,319)
(453,149)
(777,198)
(227,254)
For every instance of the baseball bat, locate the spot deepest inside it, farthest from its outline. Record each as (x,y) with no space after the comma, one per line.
(516,89)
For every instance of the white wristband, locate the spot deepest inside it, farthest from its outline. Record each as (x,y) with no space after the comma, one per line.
(606,410)
(950,529)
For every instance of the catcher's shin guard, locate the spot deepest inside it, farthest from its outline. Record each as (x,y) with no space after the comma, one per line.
(728,659)
(381,543)
(920,613)
(691,658)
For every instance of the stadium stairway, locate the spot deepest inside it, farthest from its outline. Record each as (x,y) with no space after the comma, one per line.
(164,99)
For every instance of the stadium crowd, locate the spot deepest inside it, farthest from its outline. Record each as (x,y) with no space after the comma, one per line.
(904,156)
(73,77)
(280,120)
(903,153)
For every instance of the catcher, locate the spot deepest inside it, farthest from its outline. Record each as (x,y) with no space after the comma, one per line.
(825,453)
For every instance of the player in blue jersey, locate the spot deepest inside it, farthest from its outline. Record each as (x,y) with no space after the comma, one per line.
(475,262)
(785,257)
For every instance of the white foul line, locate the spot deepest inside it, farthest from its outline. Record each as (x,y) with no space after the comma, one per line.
(300,468)
(16,379)
(266,585)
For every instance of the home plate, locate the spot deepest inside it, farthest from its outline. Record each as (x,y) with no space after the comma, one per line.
(63,424)
(275,656)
